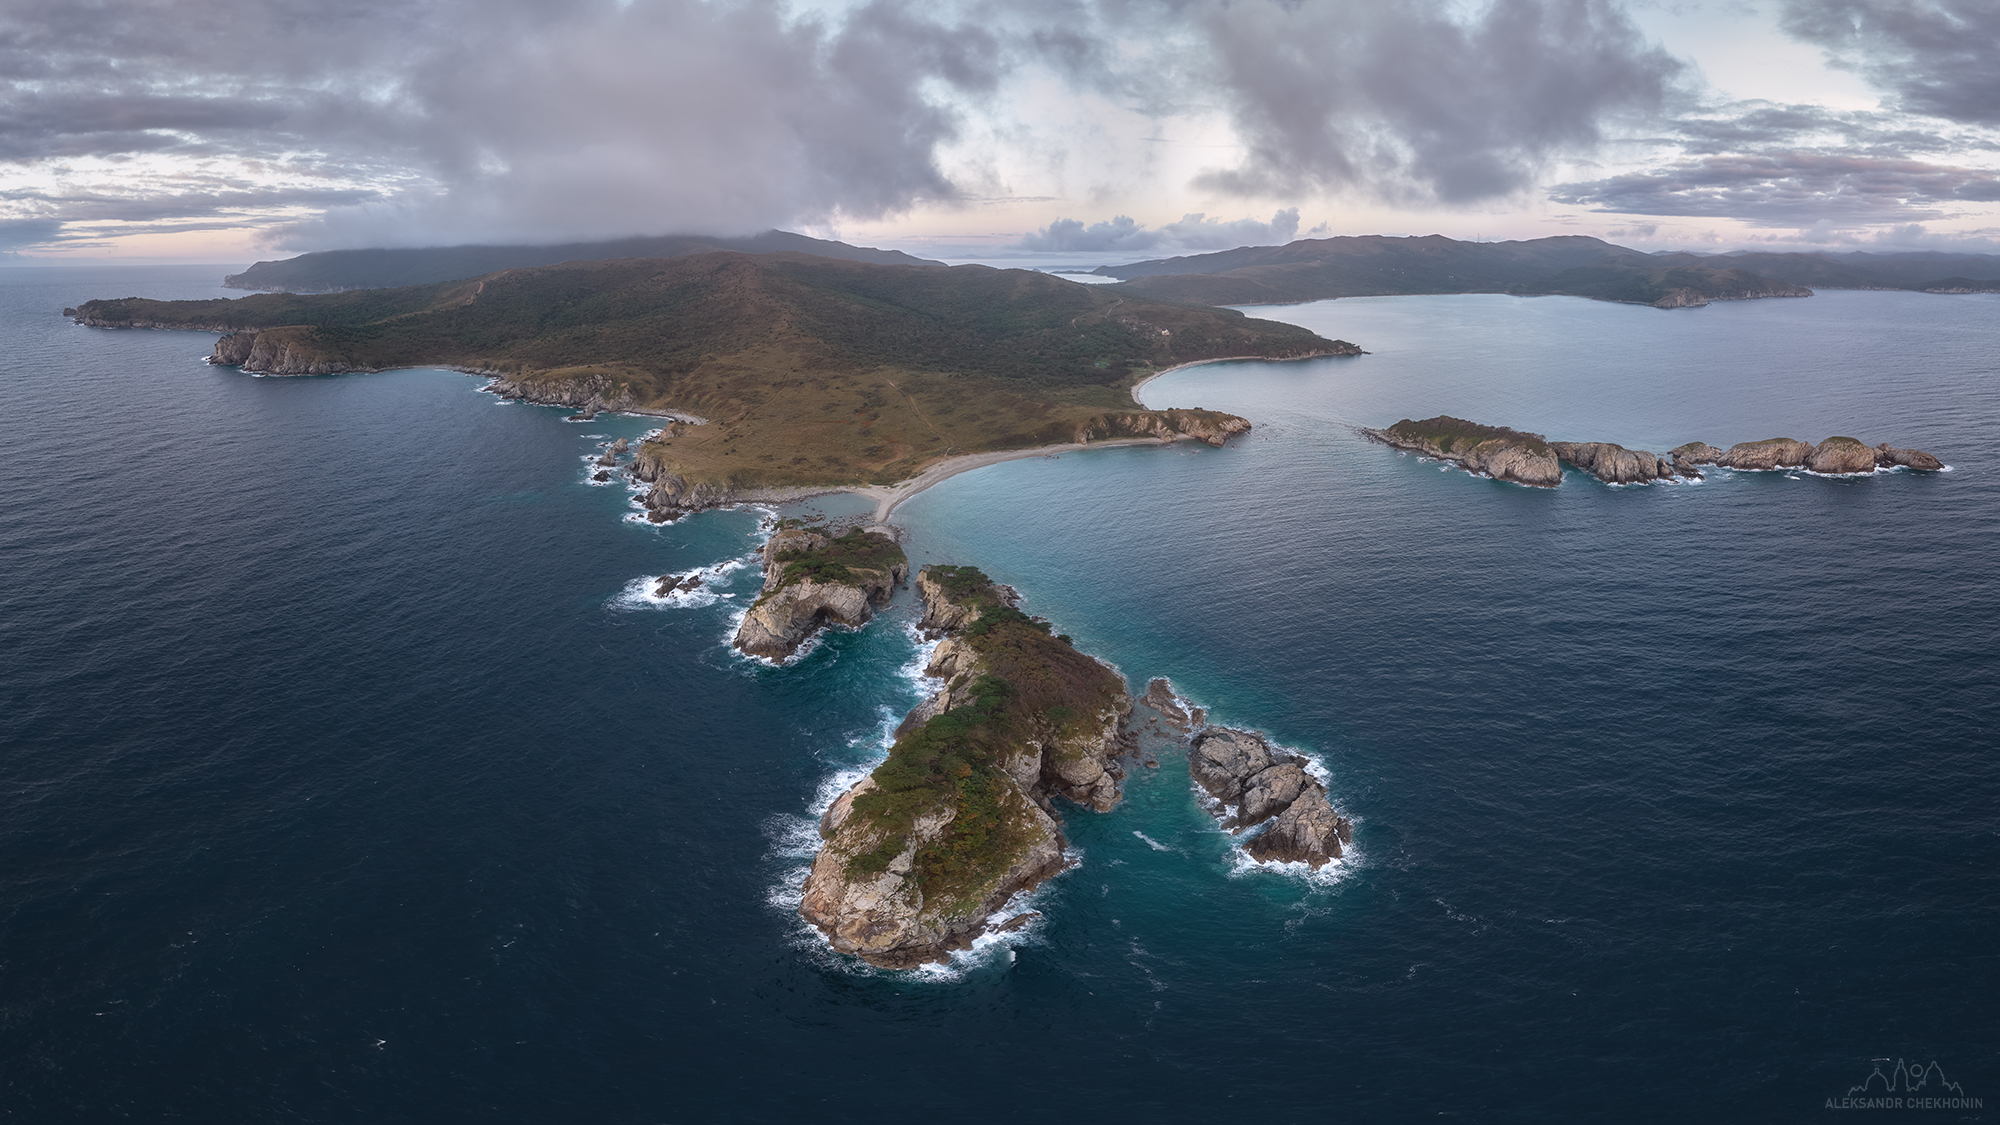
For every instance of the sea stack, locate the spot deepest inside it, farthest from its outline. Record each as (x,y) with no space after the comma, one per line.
(1251,783)
(811,580)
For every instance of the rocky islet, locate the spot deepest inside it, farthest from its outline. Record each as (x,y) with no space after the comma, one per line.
(812,579)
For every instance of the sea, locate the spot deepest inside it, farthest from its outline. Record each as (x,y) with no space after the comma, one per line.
(350,771)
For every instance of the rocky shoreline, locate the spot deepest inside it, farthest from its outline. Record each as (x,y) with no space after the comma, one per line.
(1533,460)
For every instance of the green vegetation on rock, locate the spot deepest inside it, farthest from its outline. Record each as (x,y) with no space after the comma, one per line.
(1034,687)
(1456,434)
(869,552)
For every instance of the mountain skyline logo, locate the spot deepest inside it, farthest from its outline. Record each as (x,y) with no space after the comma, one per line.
(1905,1087)
(1905,1080)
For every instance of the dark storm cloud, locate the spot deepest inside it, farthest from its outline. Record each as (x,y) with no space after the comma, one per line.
(1934,57)
(1790,189)
(371,122)
(1411,100)
(509,118)
(1197,231)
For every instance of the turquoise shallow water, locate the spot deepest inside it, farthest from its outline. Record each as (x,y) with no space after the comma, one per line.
(347,777)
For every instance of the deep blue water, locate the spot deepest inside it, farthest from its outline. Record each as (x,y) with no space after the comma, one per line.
(346,778)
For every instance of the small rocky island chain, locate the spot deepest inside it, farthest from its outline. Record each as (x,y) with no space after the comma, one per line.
(1531,459)
(922,856)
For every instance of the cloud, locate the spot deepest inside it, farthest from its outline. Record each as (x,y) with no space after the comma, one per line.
(1195,231)
(462,119)
(1121,233)
(332,123)
(1935,57)
(1412,101)
(1790,189)
(1751,125)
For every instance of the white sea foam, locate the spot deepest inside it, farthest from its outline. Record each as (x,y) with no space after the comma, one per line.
(797,838)
(591,469)
(1152,843)
(640,592)
(1335,871)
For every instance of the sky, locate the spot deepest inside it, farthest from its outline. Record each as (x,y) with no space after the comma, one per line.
(1038,130)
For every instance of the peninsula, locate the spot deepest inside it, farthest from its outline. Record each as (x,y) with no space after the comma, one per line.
(784,372)
(1531,459)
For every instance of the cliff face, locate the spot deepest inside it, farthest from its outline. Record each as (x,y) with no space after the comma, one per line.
(920,856)
(1886,457)
(812,580)
(586,393)
(1251,783)
(1495,451)
(673,495)
(1208,426)
(279,351)
(1770,453)
(1614,464)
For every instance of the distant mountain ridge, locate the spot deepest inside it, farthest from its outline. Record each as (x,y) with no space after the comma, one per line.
(337,271)
(1570,265)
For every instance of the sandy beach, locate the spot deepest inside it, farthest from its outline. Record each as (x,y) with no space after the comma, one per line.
(1196,363)
(886,497)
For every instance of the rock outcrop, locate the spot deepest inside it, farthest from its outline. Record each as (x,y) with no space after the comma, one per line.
(1493,451)
(1512,455)
(671,584)
(280,351)
(1683,298)
(1614,464)
(1770,453)
(1835,455)
(1251,783)
(922,856)
(812,580)
(1886,457)
(1694,453)
(1841,455)
(586,392)
(672,495)
(1210,426)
